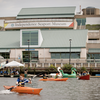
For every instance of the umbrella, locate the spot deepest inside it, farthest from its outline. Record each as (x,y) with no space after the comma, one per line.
(13,64)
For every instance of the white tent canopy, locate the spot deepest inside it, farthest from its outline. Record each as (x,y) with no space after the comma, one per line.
(13,64)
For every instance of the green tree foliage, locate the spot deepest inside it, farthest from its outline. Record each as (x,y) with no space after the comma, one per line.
(67,67)
(93,27)
(52,67)
(0,27)
(83,69)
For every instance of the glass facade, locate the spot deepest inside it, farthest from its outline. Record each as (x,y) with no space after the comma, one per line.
(65,55)
(81,21)
(5,55)
(93,56)
(30,56)
(30,35)
(90,11)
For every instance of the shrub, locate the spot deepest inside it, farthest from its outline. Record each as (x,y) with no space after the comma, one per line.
(83,69)
(52,67)
(67,67)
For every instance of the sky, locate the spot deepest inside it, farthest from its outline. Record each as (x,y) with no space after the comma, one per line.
(10,8)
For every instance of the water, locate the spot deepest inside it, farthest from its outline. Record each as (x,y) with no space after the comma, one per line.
(72,89)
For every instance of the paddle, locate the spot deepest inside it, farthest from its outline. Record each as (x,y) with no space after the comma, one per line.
(11,88)
(14,86)
(21,83)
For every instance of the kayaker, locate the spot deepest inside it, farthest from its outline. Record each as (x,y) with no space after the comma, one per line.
(44,76)
(56,75)
(25,72)
(21,81)
(87,72)
(84,73)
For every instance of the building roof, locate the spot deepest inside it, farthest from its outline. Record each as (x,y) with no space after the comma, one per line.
(60,38)
(9,39)
(46,12)
(51,38)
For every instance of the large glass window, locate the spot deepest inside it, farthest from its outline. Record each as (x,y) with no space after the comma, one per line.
(87,11)
(81,21)
(30,35)
(93,56)
(65,55)
(92,11)
(5,55)
(30,56)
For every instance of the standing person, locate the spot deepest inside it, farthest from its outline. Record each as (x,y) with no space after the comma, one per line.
(6,61)
(8,71)
(17,73)
(25,72)
(21,81)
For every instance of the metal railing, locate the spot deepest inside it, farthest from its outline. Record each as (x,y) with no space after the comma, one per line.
(59,62)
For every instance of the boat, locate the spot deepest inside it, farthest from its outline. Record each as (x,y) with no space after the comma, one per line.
(86,77)
(97,75)
(54,74)
(72,75)
(27,90)
(65,75)
(52,79)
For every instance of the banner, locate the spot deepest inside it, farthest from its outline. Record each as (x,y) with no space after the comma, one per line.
(38,24)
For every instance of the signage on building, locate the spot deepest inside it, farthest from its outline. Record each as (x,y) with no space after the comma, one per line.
(39,24)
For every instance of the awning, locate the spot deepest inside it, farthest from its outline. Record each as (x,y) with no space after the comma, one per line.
(94,50)
(65,50)
(4,50)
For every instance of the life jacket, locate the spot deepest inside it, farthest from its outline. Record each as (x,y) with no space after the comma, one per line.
(44,77)
(21,81)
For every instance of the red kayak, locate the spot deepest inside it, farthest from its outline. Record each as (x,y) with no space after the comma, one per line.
(27,90)
(86,77)
(52,79)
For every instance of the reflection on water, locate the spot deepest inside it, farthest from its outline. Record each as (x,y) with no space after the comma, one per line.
(72,89)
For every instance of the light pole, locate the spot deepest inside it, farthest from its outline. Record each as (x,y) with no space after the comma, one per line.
(70,51)
(28,52)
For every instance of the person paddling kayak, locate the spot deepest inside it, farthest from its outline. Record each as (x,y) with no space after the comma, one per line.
(21,81)
(56,75)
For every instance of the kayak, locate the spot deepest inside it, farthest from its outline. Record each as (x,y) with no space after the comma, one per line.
(86,77)
(52,79)
(27,90)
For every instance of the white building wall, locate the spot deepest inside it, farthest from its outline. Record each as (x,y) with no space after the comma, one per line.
(75,24)
(2,23)
(83,53)
(16,53)
(43,53)
(93,20)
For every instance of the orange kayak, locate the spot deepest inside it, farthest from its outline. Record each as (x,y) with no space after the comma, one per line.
(27,90)
(52,79)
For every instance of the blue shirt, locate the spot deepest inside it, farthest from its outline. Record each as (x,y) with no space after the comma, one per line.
(22,81)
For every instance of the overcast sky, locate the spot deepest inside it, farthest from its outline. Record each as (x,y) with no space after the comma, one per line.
(12,7)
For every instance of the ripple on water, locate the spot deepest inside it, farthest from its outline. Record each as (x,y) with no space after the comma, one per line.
(72,89)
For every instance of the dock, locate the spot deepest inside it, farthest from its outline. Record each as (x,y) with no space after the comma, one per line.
(94,76)
(31,75)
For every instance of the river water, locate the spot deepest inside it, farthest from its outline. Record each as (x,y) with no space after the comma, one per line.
(72,89)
